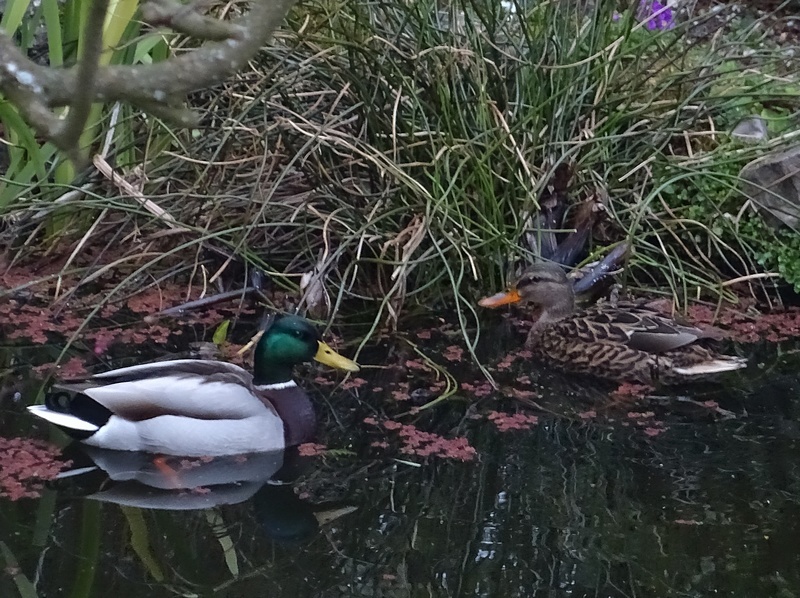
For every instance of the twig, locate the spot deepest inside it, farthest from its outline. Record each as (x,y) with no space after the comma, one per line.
(179,310)
(129,190)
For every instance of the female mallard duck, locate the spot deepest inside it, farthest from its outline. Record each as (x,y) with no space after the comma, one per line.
(192,407)
(623,342)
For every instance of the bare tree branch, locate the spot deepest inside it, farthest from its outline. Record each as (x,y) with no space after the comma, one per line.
(158,88)
(68,137)
(23,88)
(185,19)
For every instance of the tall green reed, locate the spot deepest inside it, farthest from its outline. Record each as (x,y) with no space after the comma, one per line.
(56,32)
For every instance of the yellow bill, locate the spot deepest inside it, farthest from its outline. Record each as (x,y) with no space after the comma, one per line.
(329,357)
(510,296)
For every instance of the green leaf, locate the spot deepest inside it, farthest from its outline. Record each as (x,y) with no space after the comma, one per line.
(120,14)
(221,333)
(226,543)
(149,48)
(25,587)
(52,22)
(140,541)
(13,14)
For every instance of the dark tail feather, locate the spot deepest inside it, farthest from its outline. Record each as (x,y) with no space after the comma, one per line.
(603,269)
(80,406)
(571,248)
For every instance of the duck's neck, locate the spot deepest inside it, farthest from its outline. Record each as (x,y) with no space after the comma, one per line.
(271,373)
(561,307)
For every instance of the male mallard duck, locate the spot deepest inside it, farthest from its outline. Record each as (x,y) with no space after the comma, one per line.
(623,342)
(193,407)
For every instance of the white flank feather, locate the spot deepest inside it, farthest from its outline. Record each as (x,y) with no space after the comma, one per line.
(716,366)
(178,435)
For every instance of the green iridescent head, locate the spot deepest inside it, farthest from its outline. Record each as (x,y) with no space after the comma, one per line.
(287,341)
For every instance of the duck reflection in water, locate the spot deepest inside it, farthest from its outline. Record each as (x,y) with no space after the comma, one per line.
(194,483)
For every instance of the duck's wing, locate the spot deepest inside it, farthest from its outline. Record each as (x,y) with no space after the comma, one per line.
(177,367)
(186,387)
(642,329)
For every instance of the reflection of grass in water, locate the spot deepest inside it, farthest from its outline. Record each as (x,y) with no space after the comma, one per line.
(599,506)
(595,507)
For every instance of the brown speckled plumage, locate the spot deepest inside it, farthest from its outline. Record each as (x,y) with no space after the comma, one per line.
(627,341)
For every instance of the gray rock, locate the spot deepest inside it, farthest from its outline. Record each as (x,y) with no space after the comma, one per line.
(772,183)
(752,129)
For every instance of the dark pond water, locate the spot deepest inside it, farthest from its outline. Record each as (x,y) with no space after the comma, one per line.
(695,492)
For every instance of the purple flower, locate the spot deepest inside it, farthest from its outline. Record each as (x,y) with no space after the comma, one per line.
(659,16)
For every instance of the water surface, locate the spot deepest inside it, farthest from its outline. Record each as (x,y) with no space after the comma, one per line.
(692,492)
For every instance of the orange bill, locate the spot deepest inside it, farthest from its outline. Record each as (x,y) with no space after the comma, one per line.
(510,296)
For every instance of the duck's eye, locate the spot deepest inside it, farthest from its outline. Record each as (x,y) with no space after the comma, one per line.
(531,280)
